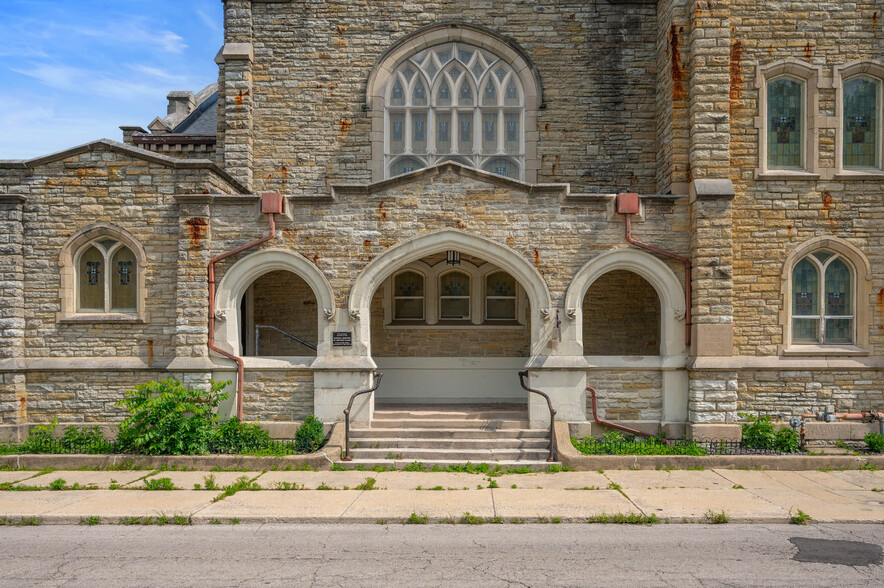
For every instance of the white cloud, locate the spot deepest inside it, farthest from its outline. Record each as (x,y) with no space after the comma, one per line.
(210,22)
(136,31)
(160,74)
(73,79)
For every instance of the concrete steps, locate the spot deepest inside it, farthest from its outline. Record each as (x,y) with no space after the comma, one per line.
(443,436)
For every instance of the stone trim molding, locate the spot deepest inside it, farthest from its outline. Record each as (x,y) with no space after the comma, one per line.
(665,283)
(862,270)
(244,272)
(445,32)
(874,69)
(397,257)
(108,145)
(68,270)
(810,76)
(337,190)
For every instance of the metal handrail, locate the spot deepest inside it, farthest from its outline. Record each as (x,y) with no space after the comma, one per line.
(280,331)
(377,382)
(552,416)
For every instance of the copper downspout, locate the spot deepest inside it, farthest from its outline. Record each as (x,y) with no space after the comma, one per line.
(595,416)
(240,365)
(687,273)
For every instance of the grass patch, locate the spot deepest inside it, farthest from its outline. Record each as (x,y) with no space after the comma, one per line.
(624,519)
(416,519)
(470,519)
(715,518)
(615,443)
(737,487)
(22,522)
(799,518)
(90,521)
(159,484)
(368,484)
(288,486)
(243,483)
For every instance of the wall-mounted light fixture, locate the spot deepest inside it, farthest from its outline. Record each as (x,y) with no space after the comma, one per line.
(453,257)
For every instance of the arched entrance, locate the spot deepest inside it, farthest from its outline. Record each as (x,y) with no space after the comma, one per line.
(450,328)
(626,309)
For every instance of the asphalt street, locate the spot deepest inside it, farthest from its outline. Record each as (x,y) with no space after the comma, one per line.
(443,555)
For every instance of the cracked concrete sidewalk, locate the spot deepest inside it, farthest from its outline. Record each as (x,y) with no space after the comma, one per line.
(676,496)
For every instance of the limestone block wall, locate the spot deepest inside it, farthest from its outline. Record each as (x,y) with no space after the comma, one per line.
(773,216)
(82,396)
(278,395)
(312,60)
(792,392)
(627,395)
(621,316)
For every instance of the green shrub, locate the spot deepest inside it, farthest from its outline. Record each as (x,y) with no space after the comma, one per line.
(234,436)
(40,439)
(84,440)
(309,436)
(615,443)
(758,433)
(787,441)
(875,441)
(167,418)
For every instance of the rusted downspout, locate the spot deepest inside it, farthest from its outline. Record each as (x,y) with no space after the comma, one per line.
(627,205)
(271,204)
(595,416)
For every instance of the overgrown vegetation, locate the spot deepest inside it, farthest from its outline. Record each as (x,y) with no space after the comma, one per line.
(615,443)
(875,442)
(168,418)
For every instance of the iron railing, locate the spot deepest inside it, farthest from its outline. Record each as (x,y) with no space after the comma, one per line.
(552,416)
(281,332)
(376,376)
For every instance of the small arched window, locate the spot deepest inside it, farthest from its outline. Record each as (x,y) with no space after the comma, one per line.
(106,277)
(408,296)
(822,304)
(454,296)
(455,100)
(500,297)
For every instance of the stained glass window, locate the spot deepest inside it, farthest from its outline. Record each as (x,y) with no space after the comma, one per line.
(454,296)
(408,296)
(822,300)
(860,124)
(785,123)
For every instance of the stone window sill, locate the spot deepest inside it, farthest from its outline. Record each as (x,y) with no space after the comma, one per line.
(864,174)
(824,350)
(102,317)
(785,174)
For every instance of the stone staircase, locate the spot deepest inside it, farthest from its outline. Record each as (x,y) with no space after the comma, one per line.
(441,435)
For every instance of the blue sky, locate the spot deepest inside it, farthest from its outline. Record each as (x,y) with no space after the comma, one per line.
(75,70)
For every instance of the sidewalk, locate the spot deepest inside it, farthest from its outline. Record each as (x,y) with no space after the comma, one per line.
(675,496)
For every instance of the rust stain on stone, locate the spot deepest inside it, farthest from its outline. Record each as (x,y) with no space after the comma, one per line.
(195,226)
(789,230)
(827,200)
(881,301)
(736,67)
(382,214)
(345,123)
(285,177)
(149,351)
(536,258)
(688,172)
(238,98)
(808,51)
(459,224)
(510,241)
(875,18)
(23,408)
(676,67)
(316,259)
(546,128)
(367,244)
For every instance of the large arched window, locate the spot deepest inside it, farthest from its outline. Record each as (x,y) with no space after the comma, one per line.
(458,102)
(860,124)
(785,131)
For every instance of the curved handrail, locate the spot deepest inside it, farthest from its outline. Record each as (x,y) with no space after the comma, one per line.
(552,416)
(377,382)
(625,429)
(280,331)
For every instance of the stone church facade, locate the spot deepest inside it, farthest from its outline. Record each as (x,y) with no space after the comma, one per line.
(678,203)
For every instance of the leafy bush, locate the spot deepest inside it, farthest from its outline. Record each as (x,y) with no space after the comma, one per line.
(85,440)
(758,433)
(235,436)
(875,441)
(787,441)
(309,436)
(167,418)
(615,443)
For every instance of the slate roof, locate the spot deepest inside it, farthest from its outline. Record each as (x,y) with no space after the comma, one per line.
(202,121)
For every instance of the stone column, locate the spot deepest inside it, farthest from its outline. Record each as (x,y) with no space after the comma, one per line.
(13,393)
(235,91)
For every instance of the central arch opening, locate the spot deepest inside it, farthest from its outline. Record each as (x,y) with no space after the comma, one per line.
(450,328)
